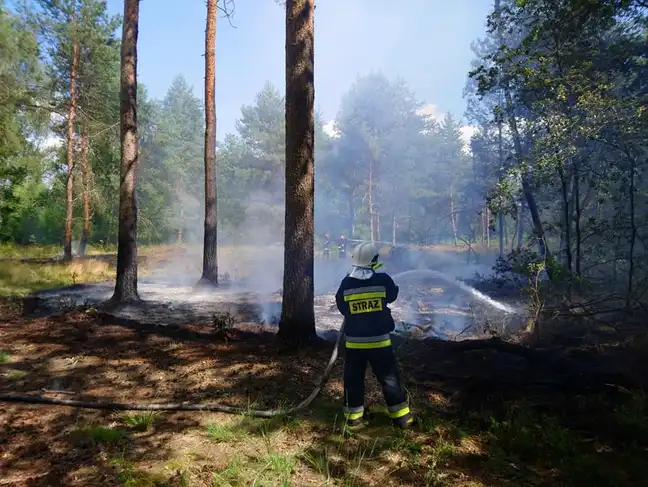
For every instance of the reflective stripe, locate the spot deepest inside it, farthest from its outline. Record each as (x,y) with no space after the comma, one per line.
(353,413)
(400,413)
(397,407)
(372,295)
(378,338)
(366,289)
(369,345)
(353,416)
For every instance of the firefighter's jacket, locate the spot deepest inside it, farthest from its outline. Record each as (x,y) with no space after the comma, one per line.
(363,302)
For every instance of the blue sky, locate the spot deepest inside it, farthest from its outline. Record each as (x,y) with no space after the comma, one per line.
(426,42)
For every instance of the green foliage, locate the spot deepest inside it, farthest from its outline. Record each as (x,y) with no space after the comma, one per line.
(565,76)
(141,421)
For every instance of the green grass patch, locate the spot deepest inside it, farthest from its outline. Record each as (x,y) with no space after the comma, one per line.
(101,434)
(514,445)
(226,433)
(15,374)
(129,476)
(232,475)
(141,421)
(4,357)
(20,278)
(13,251)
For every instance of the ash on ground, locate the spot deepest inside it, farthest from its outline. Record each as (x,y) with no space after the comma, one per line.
(426,308)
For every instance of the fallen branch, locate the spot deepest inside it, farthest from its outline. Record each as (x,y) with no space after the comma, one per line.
(183,406)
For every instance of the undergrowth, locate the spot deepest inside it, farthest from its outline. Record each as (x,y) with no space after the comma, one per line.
(511,446)
(19,278)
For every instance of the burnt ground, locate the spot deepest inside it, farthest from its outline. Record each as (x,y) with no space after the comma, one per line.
(491,413)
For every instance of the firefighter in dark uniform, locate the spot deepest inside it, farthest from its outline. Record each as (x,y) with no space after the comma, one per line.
(342,247)
(327,245)
(362,298)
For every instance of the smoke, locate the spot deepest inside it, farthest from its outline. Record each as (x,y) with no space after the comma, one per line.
(392,151)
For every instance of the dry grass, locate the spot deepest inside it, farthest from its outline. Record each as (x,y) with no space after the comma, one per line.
(12,251)
(25,277)
(19,278)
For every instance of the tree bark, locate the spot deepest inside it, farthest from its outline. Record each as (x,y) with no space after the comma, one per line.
(210,243)
(69,185)
(453,220)
(577,217)
(567,218)
(126,283)
(488,227)
(520,227)
(633,228)
(351,215)
(372,232)
(297,324)
(500,144)
(85,176)
(378,226)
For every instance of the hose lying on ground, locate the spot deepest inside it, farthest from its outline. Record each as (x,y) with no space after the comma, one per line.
(270,413)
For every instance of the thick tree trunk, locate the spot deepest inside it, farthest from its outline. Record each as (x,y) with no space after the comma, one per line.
(210,243)
(85,176)
(297,324)
(126,283)
(69,185)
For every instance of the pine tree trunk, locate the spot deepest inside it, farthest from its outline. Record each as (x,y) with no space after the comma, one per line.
(85,175)
(351,228)
(210,243)
(69,185)
(500,143)
(372,231)
(453,220)
(378,235)
(577,218)
(126,283)
(297,324)
(520,227)
(488,227)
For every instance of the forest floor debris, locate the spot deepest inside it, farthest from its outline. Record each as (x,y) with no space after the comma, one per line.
(471,433)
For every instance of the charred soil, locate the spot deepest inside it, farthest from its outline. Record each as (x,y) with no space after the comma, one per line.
(490,413)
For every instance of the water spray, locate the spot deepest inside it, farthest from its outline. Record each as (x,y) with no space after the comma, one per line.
(482,297)
(270,413)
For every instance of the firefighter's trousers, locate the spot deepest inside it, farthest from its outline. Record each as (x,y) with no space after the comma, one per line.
(385,368)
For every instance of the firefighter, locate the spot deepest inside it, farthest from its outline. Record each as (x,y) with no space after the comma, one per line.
(327,245)
(362,298)
(342,247)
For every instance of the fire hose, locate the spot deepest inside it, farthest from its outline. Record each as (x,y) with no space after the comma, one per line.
(116,406)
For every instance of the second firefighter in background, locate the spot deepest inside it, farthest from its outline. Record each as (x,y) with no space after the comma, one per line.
(362,298)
